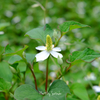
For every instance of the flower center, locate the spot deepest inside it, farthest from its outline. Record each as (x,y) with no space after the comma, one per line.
(48,43)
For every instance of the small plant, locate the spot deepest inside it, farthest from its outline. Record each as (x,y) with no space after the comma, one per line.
(16,82)
(58,88)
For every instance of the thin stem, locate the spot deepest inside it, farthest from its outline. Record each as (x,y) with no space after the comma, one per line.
(6,96)
(40,5)
(66,71)
(42,83)
(46,75)
(58,40)
(59,76)
(68,67)
(44,9)
(45,12)
(31,68)
(44,17)
(55,63)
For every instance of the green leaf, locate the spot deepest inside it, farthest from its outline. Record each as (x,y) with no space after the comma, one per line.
(40,33)
(26,91)
(13,59)
(87,55)
(5,71)
(21,66)
(4,85)
(57,91)
(70,25)
(30,57)
(3,25)
(80,91)
(10,52)
(20,52)
(2,98)
(69,98)
(8,49)
(29,81)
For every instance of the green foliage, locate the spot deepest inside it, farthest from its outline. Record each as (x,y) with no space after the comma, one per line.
(69,98)
(8,49)
(40,33)
(70,25)
(14,59)
(87,55)
(19,17)
(57,91)
(30,57)
(80,91)
(3,25)
(4,85)
(5,71)
(27,92)
(21,66)
(10,52)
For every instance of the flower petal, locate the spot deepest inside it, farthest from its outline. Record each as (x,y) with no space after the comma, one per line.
(42,56)
(41,48)
(56,49)
(56,54)
(96,88)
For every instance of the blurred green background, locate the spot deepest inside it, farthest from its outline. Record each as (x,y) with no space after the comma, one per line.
(23,17)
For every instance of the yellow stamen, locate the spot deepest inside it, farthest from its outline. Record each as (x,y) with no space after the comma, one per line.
(48,43)
(98,97)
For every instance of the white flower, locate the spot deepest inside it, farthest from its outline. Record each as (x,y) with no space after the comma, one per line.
(96,88)
(1,32)
(45,54)
(53,74)
(47,50)
(90,76)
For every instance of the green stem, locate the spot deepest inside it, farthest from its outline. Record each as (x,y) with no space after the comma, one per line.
(58,40)
(46,85)
(66,71)
(55,64)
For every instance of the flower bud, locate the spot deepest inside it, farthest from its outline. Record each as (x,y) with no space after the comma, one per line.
(55,34)
(24,55)
(13,70)
(60,61)
(48,43)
